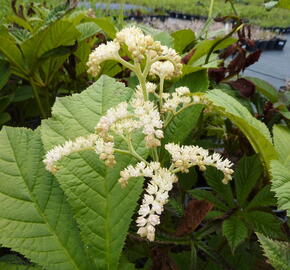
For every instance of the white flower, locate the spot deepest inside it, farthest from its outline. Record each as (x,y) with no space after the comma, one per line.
(109,51)
(139,45)
(163,69)
(156,197)
(179,98)
(105,150)
(187,156)
(69,147)
(145,116)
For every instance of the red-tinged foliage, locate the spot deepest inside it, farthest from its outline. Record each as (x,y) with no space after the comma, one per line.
(195,212)
(161,259)
(244,86)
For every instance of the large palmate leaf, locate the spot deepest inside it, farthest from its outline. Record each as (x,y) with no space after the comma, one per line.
(256,132)
(281,184)
(59,33)
(277,252)
(247,174)
(35,218)
(11,266)
(235,231)
(281,137)
(102,209)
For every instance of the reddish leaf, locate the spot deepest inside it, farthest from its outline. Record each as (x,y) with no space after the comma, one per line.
(161,260)
(252,58)
(245,87)
(238,63)
(229,51)
(217,74)
(187,57)
(195,212)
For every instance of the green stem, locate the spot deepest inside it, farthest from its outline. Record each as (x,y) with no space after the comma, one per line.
(161,88)
(37,98)
(210,9)
(233,8)
(142,80)
(125,152)
(237,27)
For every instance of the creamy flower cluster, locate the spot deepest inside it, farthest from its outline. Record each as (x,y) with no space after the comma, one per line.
(140,46)
(170,67)
(91,142)
(186,156)
(138,99)
(180,98)
(144,115)
(156,194)
(104,52)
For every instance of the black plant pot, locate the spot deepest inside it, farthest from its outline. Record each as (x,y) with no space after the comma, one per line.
(261,44)
(288,30)
(271,44)
(280,44)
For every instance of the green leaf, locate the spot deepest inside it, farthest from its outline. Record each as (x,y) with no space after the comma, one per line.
(265,88)
(183,38)
(281,184)
(256,132)
(23,93)
(208,196)
(284,4)
(214,179)
(59,33)
(277,252)
(11,266)
(180,127)
(4,73)
(281,137)
(102,209)
(247,175)
(12,53)
(106,25)
(196,81)
(35,219)
(87,30)
(264,222)
(263,198)
(203,47)
(235,231)
(4,118)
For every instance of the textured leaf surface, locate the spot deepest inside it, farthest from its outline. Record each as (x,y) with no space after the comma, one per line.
(102,209)
(281,184)
(256,132)
(247,174)
(10,266)
(35,218)
(277,252)
(281,137)
(235,231)
(214,179)
(180,127)
(265,197)
(264,223)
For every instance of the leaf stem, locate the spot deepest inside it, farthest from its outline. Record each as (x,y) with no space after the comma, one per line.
(37,98)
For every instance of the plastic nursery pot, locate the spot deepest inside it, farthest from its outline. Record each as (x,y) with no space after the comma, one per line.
(271,44)
(261,44)
(280,44)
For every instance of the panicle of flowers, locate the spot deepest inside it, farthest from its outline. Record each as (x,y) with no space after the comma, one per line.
(69,147)
(180,98)
(144,116)
(109,51)
(186,156)
(156,195)
(164,69)
(150,122)
(171,55)
(105,150)
(138,99)
(138,44)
